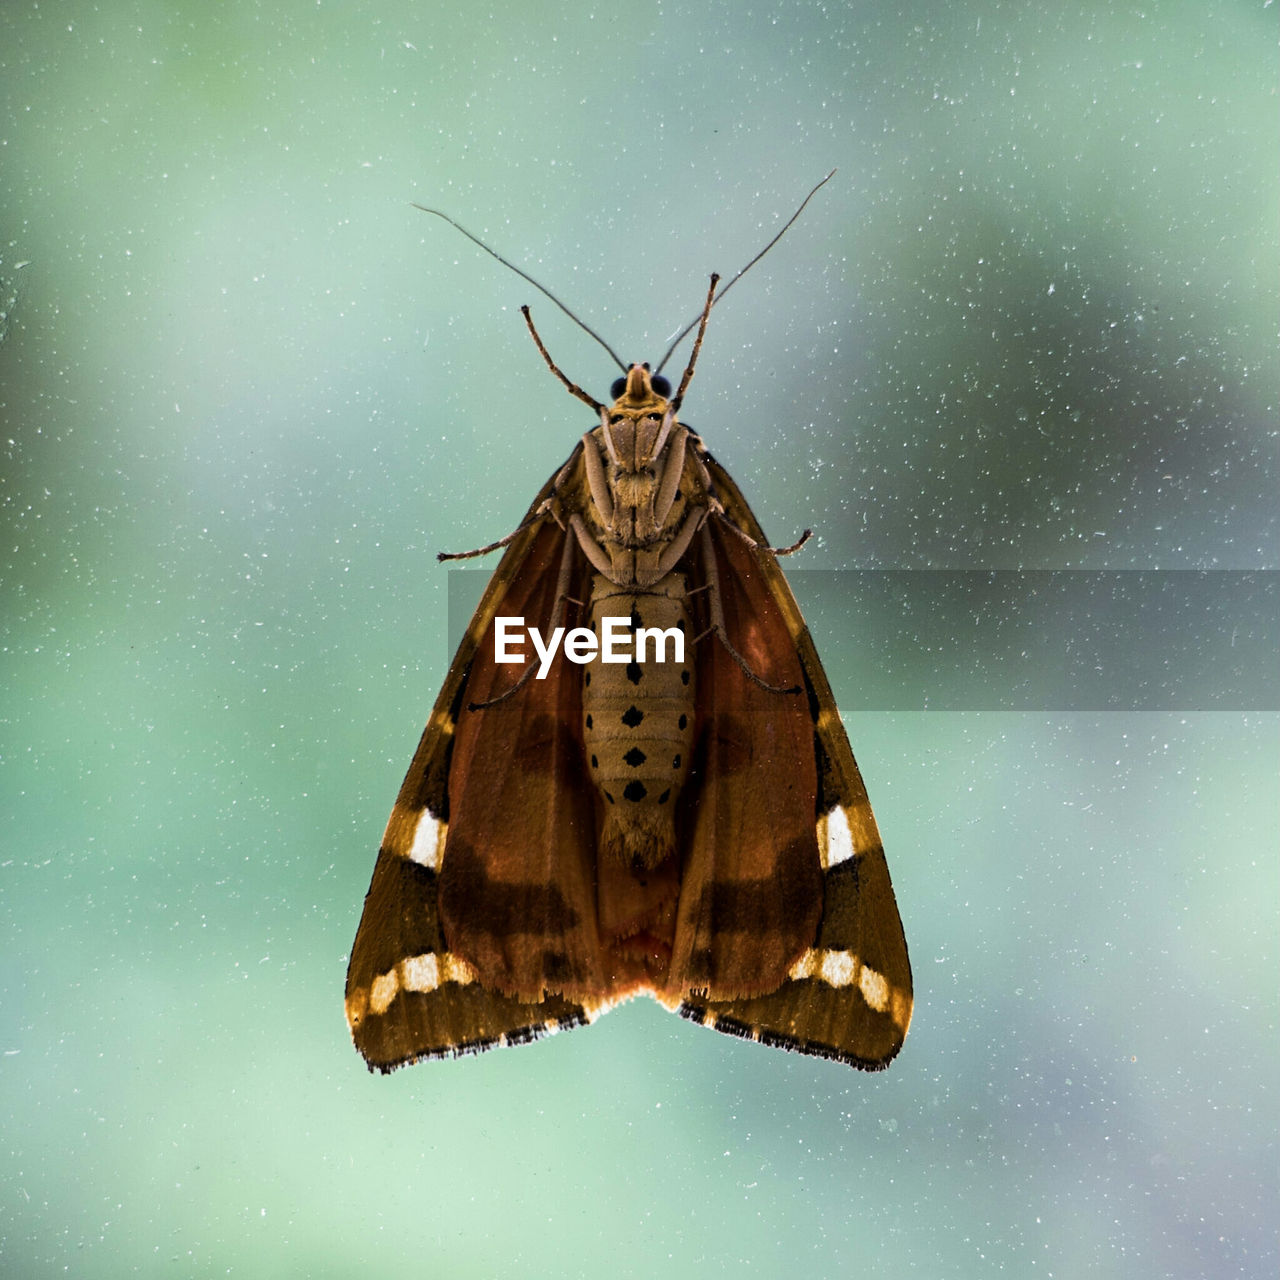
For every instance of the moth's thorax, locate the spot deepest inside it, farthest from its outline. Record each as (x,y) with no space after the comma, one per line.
(635,436)
(647,482)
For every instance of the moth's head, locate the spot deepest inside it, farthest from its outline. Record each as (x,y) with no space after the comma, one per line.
(640,392)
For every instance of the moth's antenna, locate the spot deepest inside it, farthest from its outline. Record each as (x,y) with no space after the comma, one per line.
(678,398)
(680,337)
(571,387)
(524,275)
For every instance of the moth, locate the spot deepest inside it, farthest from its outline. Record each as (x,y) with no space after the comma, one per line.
(696,831)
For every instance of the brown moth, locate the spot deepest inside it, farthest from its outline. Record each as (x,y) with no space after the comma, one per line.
(696,831)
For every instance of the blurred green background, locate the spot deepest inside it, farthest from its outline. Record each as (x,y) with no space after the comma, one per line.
(248,392)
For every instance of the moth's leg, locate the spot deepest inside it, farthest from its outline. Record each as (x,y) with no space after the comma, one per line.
(607,432)
(557,619)
(716,606)
(594,552)
(716,509)
(596,482)
(680,543)
(757,546)
(668,421)
(493,546)
(795,546)
(550,506)
(672,469)
(704,476)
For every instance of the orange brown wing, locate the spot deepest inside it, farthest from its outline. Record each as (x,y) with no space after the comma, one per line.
(429,917)
(846,992)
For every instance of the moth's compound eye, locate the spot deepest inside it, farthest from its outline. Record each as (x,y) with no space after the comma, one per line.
(619,386)
(661,386)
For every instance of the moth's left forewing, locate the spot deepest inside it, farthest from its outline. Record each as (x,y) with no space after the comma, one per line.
(408,995)
(848,996)
(425,785)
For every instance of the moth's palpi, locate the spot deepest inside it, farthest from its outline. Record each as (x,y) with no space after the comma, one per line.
(696,831)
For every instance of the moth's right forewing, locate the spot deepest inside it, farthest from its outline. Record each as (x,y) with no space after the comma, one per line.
(848,995)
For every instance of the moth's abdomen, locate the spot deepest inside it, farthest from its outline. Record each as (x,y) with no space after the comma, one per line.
(638,716)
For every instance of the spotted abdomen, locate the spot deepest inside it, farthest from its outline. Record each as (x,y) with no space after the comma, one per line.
(638,715)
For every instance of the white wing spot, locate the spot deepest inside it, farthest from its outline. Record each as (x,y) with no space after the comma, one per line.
(838,968)
(456,969)
(835,968)
(425,848)
(423,974)
(420,973)
(383,991)
(875,989)
(839,842)
(844,969)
